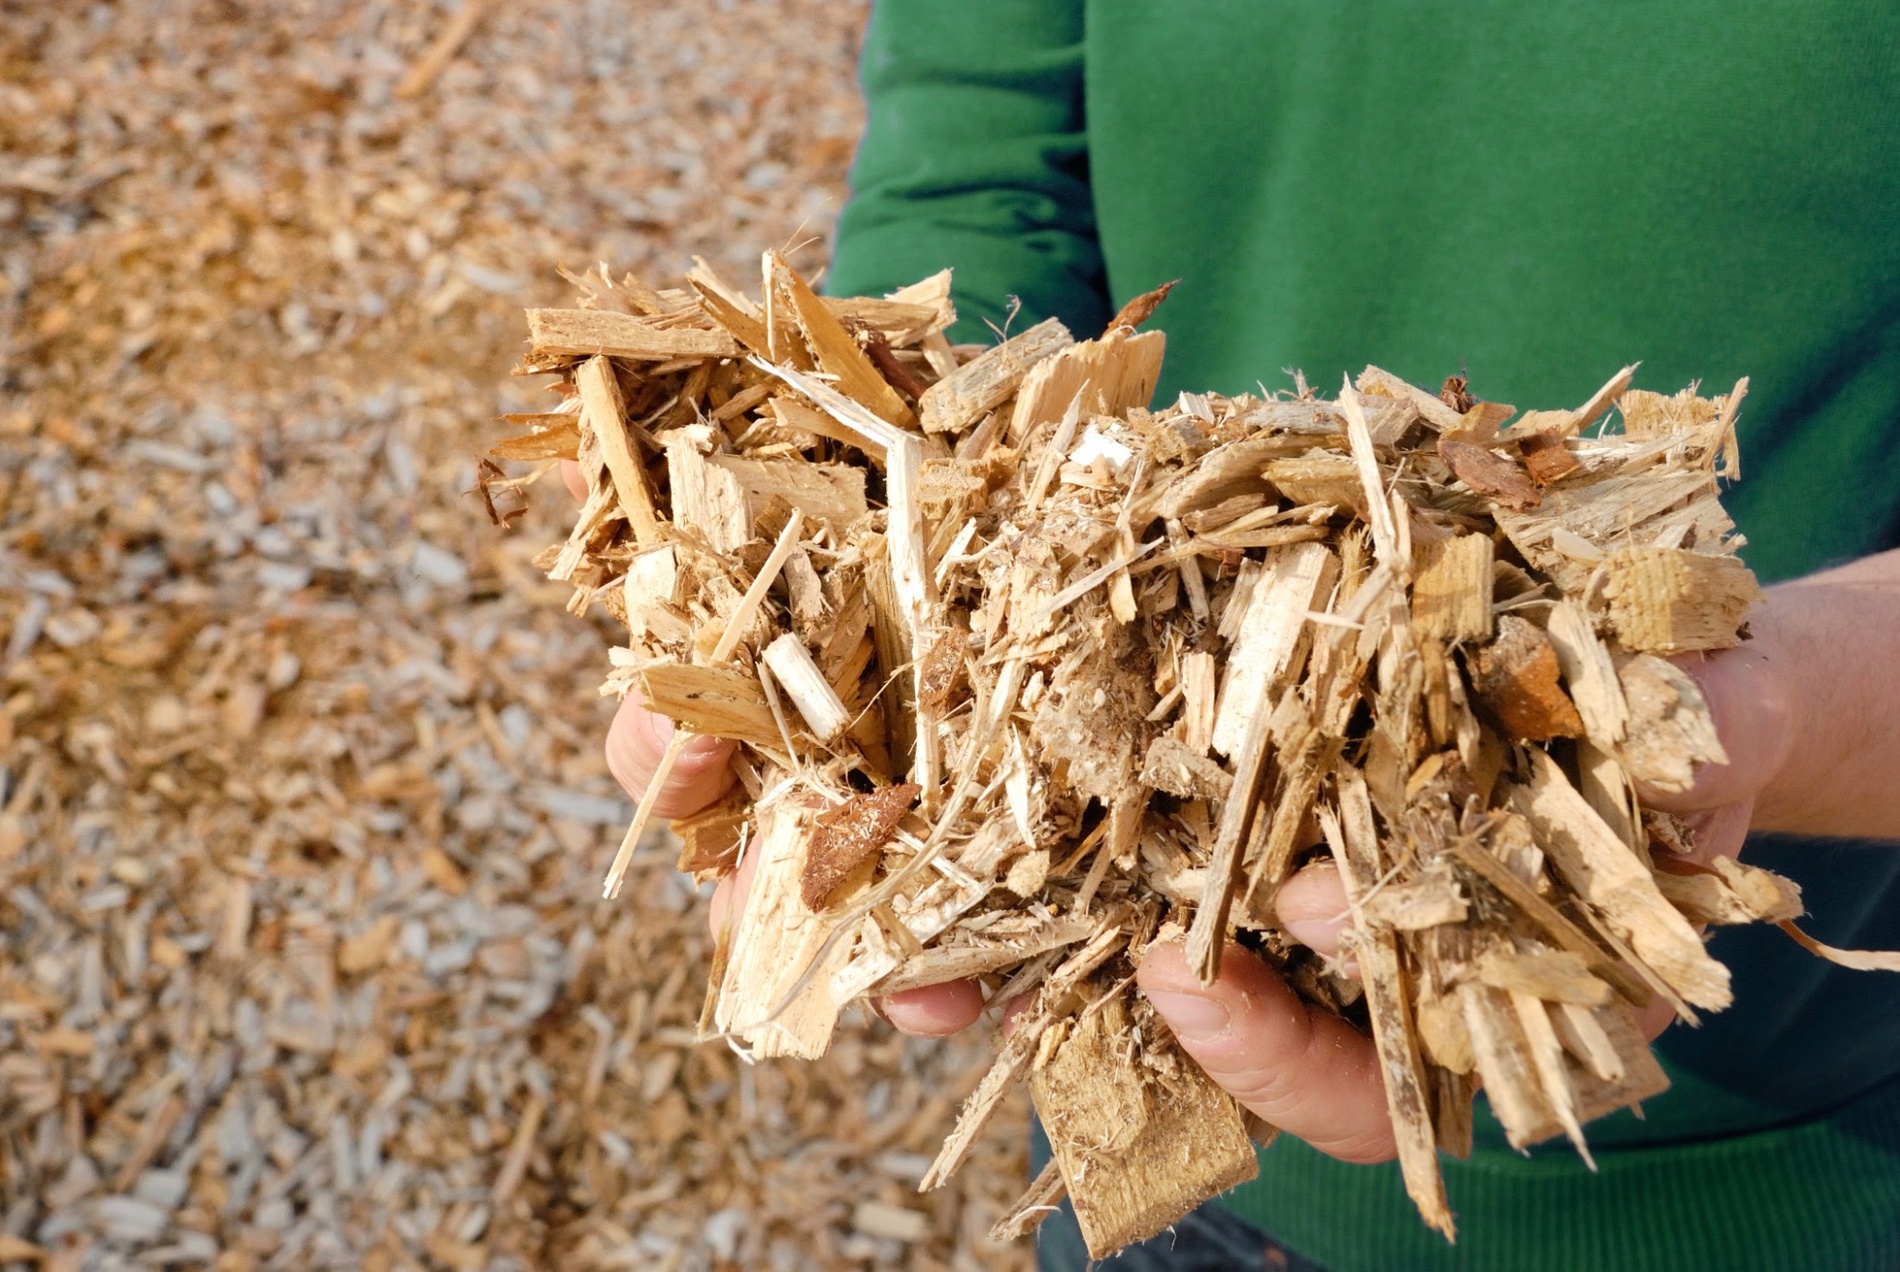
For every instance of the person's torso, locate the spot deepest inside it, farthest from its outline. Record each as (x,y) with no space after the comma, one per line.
(1537,195)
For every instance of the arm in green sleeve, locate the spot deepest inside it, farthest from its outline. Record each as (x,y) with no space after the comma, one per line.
(974,157)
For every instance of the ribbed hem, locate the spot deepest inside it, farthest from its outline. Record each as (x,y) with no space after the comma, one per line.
(1821,1196)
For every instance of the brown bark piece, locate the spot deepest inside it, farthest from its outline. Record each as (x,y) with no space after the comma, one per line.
(710,838)
(1141,308)
(1489,473)
(889,365)
(1669,601)
(849,835)
(1546,458)
(1516,679)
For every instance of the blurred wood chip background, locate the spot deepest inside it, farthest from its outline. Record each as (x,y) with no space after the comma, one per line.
(302,808)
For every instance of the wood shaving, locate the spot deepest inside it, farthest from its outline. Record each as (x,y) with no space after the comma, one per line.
(303,811)
(1124,657)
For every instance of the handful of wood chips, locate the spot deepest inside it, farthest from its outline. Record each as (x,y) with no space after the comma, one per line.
(1030,675)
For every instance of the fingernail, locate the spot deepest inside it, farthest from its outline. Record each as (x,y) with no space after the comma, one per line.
(1193,1018)
(1316,934)
(701,746)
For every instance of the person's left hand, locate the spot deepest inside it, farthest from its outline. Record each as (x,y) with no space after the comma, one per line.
(1310,1073)
(1296,1065)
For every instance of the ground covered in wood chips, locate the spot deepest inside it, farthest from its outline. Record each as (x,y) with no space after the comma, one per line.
(302,809)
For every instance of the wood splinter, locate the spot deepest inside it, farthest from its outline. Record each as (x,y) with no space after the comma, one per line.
(1025,670)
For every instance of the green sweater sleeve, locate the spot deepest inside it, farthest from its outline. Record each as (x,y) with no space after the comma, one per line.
(974,157)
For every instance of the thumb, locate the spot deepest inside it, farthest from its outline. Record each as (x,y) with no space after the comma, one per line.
(1297,1066)
(637,739)
(1753,708)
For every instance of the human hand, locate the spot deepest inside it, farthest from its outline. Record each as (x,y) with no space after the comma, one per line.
(703,773)
(1303,1069)
(1751,704)
(1295,1065)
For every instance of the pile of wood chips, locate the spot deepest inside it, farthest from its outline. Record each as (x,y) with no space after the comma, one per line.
(303,809)
(1030,675)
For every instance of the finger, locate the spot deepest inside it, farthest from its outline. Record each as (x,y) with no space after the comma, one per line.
(731,891)
(1014,1008)
(572,479)
(1753,710)
(1312,907)
(935,1011)
(1299,1067)
(1654,1017)
(636,740)
(1719,832)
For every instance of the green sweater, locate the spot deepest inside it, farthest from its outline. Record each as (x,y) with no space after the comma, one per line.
(1539,193)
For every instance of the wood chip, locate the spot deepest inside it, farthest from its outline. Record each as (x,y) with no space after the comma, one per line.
(1024,681)
(1670,601)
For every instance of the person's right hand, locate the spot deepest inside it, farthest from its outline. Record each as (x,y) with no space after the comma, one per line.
(702,774)
(635,741)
